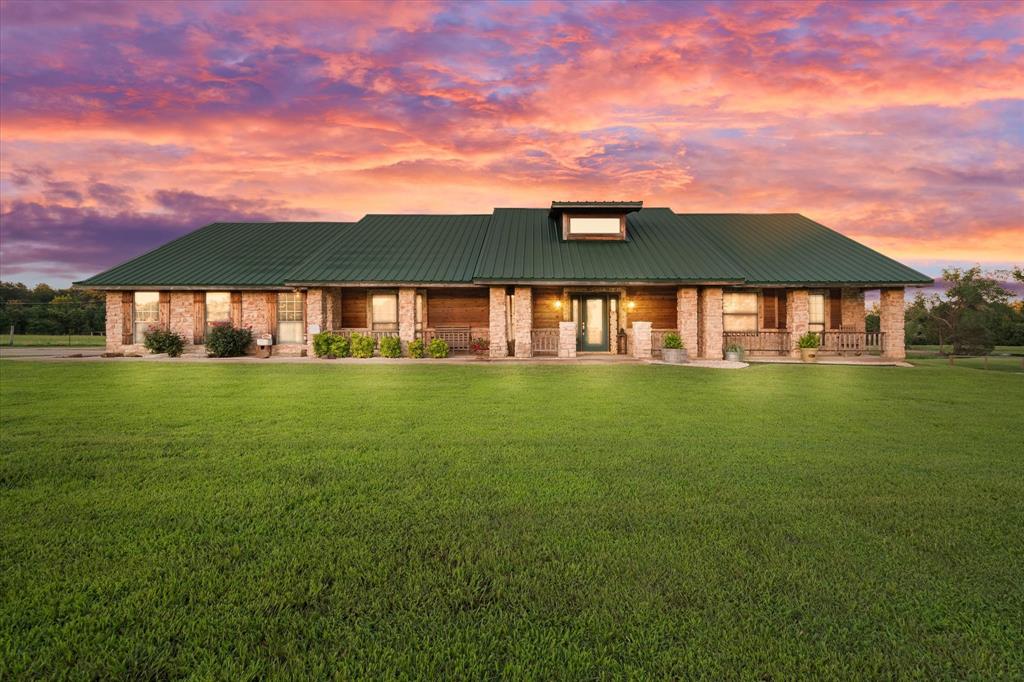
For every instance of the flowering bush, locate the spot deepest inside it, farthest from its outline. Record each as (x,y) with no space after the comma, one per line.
(479,345)
(164,341)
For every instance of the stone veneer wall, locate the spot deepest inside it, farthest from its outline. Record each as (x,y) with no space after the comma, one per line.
(641,339)
(686,317)
(567,339)
(710,311)
(496,323)
(797,316)
(853,310)
(892,318)
(524,322)
(406,317)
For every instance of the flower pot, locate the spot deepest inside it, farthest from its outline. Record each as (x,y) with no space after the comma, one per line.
(733,356)
(809,354)
(675,356)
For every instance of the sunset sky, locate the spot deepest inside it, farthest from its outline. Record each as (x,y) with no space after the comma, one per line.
(124,125)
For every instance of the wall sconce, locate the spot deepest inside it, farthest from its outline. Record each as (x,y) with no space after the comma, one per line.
(558,304)
(630,305)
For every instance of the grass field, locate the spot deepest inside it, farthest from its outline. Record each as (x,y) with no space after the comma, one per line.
(244,521)
(998,350)
(44,340)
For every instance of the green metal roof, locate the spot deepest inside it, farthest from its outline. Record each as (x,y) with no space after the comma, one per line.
(787,248)
(511,245)
(611,205)
(224,254)
(398,248)
(526,244)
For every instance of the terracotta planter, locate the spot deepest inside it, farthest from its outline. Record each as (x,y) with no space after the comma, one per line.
(809,354)
(674,356)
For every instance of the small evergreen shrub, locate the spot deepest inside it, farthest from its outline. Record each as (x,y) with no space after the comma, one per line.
(672,340)
(808,340)
(164,341)
(322,344)
(341,347)
(734,348)
(417,349)
(362,345)
(438,348)
(390,347)
(225,341)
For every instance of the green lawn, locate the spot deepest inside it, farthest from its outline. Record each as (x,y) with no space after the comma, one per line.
(54,340)
(998,350)
(246,521)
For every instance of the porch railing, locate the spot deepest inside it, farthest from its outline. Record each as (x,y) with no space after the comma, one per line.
(545,341)
(758,343)
(377,334)
(658,340)
(850,341)
(457,338)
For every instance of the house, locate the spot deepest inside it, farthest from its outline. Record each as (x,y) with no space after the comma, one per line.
(577,277)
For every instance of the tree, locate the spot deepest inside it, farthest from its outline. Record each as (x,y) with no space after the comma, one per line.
(919,326)
(967,315)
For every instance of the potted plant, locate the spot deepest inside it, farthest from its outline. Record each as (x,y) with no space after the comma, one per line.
(734,353)
(672,349)
(808,344)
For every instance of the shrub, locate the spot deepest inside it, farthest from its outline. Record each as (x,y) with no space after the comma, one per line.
(808,340)
(322,343)
(362,345)
(390,347)
(341,347)
(164,341)
(672,340)
(416,349)
(479,345)
(734,348)
(438,348)
(225,341)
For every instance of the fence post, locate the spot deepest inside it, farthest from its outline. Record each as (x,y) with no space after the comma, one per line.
(11,341)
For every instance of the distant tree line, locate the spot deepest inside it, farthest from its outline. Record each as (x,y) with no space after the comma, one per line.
(975,314)
(45,310)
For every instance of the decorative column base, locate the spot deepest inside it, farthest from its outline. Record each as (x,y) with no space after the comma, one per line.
(497,326)
(567,339)
(642,340)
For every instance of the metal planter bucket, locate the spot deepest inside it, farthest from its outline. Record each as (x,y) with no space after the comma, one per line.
(675,356)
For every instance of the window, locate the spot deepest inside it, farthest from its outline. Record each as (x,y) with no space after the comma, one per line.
(218,308)
(739,311)
(146,313)
(588,225)
(816,312)
(384,311)
(289,317)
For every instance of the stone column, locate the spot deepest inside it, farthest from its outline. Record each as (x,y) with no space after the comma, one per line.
(524,322)
(686,317)
(710,310)
(567,339)
(496,324)
(891,315)
(115,321)
(797,317)
(853,310)
(315,320)
(641,340)
(406,317)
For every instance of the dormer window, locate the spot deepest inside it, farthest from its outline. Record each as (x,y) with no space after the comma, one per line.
(598,220)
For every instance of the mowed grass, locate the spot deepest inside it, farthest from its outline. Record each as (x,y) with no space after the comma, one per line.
(46,340)
(245,521)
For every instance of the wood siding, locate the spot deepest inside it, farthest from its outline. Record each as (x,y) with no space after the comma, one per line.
(656,305)
(458,307)
(198,317)
(127,317)
(353,309)
(545,316)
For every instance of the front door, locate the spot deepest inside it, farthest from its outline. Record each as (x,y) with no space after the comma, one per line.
(592,333)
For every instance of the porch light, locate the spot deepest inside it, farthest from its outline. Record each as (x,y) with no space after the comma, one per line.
(631,305)
(557,304)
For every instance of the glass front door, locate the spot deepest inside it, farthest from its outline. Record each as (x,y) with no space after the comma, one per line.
(592,325)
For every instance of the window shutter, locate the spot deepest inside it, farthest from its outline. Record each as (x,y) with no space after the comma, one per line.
(770,301)
(198,317)
(272,313)
(835,308)
(236,308)
(780,297)
(127,316)
(165,310)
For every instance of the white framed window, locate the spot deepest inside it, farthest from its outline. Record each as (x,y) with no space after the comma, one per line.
(218,308)
(816,312)
(289,317)
(739,311)
(145,313)
(384,310)
(594,225)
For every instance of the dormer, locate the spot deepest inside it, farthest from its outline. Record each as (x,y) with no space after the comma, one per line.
(593,220)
